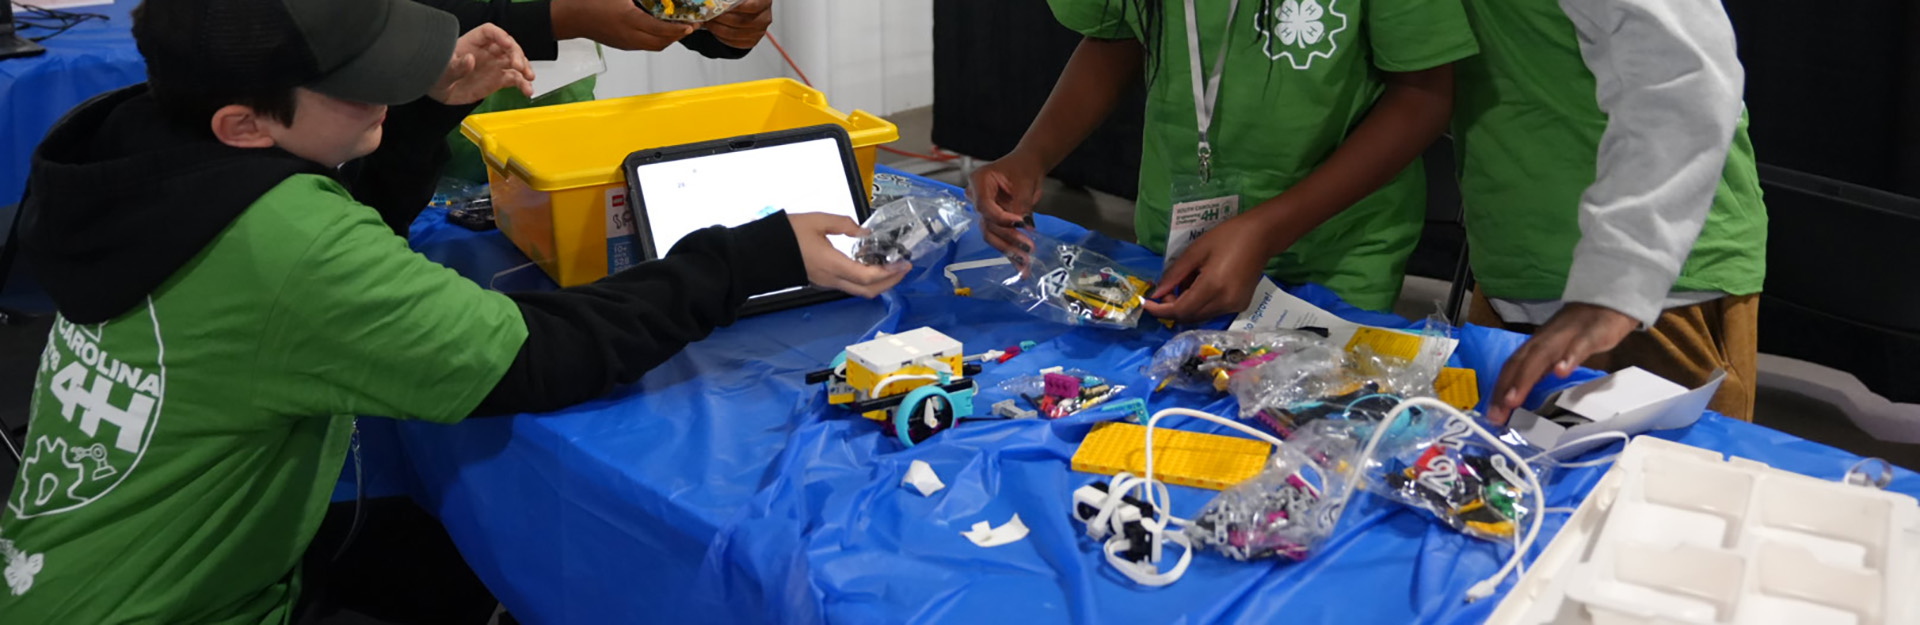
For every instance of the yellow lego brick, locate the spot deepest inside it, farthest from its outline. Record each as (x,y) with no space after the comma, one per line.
(1458,387)
(860,378)
(1502,529)
(963,292)
(1179,457)
(956,365)
(843,398)
(1386,342)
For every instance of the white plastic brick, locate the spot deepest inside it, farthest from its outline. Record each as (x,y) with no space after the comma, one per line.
(1677,534)
(889,353)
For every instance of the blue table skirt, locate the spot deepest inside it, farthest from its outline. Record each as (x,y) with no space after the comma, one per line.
(92,58)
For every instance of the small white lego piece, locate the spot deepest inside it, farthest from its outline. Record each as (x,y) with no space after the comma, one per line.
(985,535)
(921,477)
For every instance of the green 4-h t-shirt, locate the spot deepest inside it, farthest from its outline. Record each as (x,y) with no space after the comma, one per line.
(1528,126)
(180,456)
(1299,76)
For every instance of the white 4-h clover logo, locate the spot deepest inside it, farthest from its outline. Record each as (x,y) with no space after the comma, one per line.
(21,567)
(1300,23)
(1300,31)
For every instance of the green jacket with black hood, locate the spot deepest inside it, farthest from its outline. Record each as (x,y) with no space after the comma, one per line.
(225,313)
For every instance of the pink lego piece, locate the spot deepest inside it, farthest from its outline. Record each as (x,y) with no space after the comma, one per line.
(1062,385)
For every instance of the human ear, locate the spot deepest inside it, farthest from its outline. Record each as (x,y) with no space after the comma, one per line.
(241,127)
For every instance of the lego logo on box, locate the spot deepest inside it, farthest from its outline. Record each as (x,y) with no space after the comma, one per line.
(619,219)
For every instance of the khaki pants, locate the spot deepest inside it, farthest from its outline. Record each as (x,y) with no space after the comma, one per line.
(1685,345)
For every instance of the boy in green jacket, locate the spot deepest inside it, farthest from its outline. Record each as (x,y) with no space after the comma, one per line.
(226,307)
(1609,186)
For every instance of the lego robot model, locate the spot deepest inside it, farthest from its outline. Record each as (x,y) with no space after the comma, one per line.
(915,381)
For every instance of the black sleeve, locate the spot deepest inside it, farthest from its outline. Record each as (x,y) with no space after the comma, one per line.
(529,23)
(584,340)
(398,178)
(709,46)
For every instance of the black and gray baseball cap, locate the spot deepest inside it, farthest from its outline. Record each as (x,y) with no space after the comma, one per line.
(375,51)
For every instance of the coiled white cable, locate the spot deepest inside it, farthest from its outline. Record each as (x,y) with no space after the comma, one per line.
(1486,587)
(1163,527)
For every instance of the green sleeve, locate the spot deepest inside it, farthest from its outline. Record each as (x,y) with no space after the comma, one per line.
(466,163)
(1099,19)
(365,326)
(1412,35)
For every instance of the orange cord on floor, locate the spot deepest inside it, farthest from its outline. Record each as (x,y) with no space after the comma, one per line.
(938,156)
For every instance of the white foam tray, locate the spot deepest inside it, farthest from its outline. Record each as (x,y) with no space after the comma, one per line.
(1676,534)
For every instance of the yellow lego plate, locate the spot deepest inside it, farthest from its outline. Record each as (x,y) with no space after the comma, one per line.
(1386,342)
(1179,457)
(1458,387)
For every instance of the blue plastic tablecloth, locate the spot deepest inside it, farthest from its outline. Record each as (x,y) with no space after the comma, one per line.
(721,488)
(92,58)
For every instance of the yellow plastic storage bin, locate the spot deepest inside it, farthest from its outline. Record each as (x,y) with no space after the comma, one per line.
(558,190)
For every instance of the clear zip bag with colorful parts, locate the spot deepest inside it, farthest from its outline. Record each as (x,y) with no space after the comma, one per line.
(1205,361)
(912,228)
(1061,282)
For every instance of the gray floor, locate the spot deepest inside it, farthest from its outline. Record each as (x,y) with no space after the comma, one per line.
(1112,216)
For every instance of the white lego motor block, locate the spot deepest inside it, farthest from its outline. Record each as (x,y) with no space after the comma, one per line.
(890,353)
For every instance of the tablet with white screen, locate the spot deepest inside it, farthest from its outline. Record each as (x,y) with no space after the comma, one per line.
(675,191)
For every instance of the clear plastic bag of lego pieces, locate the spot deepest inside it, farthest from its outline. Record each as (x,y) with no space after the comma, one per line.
(1311,384)
(454,193)
(1206,360)
(692,11)
(1438,340)
(1437,464)
(1392,374)
(889,187)
(1069,284)
(1293,378)
(911,228)
(1056,393)
(1291,507)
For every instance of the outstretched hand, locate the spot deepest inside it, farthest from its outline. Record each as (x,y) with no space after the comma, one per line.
(485,60)
(828,267)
